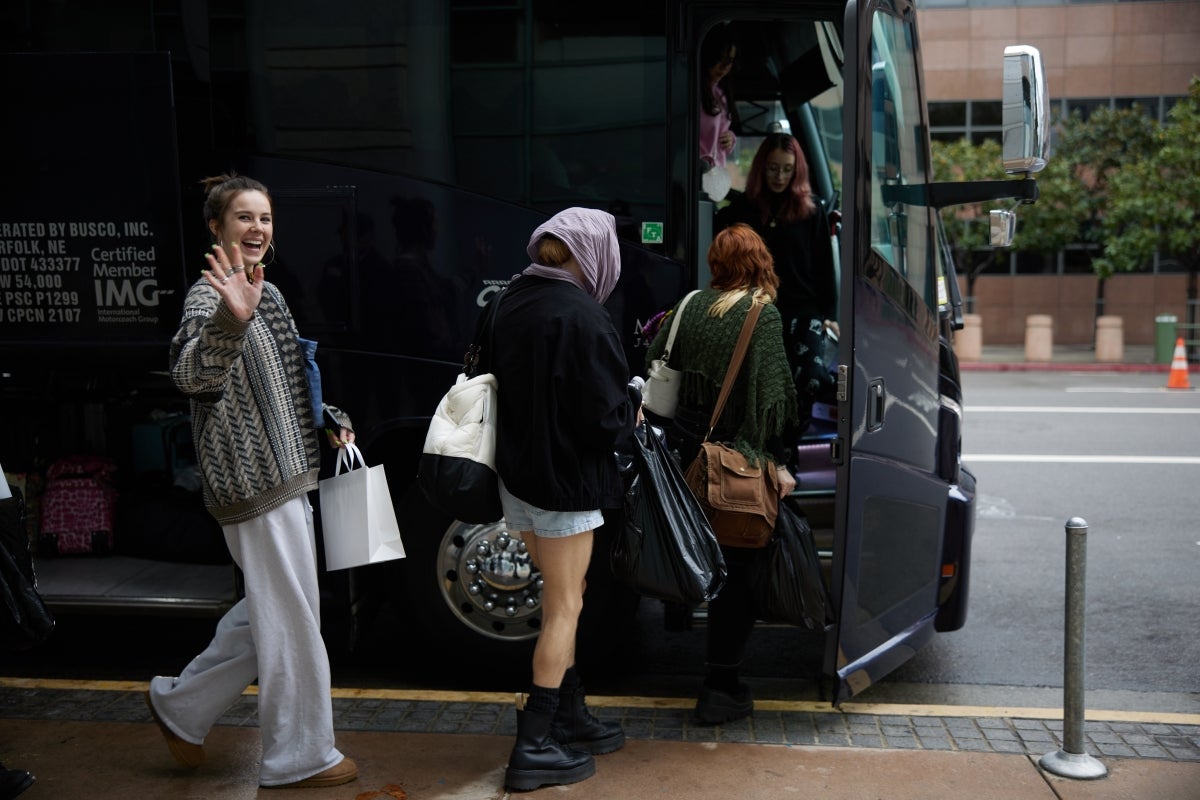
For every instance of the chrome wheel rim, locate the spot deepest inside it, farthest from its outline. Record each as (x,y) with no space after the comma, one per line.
(489,582)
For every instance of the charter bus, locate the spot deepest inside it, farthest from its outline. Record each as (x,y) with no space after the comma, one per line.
(410,148)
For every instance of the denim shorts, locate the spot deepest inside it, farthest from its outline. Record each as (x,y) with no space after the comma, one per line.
(521,516)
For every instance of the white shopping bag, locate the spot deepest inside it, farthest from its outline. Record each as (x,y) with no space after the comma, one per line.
(357,520)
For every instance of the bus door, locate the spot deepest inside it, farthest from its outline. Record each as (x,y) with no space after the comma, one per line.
(891,504)
(785,78)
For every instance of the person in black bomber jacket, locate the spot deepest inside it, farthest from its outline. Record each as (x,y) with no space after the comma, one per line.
(564,407)
(238,357)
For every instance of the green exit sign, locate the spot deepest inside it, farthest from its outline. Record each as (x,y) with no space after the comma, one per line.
(652,233)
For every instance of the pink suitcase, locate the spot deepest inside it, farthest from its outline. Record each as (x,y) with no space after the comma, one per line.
(79,506)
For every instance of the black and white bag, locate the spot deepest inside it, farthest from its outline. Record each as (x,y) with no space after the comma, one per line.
(661,393)
(457,472)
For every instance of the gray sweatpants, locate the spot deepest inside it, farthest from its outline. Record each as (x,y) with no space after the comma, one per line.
(273,634)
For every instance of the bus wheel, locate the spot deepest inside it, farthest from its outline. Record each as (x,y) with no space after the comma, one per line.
(473,586)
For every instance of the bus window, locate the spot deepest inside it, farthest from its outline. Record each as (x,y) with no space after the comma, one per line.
(899,231)
(572,116)
(545,107)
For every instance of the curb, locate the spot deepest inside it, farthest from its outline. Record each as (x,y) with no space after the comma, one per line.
(1059,366)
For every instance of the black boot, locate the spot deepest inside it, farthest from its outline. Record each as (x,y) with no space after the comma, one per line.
(723,697)
(13,782)
(575,726)
(538,760)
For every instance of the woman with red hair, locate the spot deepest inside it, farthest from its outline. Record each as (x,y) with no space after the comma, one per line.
(779,205)
(759,420)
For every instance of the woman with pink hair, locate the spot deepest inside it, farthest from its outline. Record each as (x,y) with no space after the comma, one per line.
(778,204)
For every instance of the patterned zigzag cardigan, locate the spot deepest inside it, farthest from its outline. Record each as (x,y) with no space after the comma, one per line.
(252,420)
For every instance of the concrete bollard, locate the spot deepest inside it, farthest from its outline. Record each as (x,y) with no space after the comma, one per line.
(1039,337)
(1110,340)
(968,343)
(1072,760)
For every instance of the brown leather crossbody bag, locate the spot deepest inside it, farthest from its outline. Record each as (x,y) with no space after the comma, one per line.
(740,500)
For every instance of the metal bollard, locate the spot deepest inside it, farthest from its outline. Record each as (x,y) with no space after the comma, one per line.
(1072,761)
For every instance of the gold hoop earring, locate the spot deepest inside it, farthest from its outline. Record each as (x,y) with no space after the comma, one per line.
(271,252)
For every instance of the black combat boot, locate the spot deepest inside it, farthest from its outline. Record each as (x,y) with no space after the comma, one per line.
(575,726)
(723,698)
(13,782)
(538,760)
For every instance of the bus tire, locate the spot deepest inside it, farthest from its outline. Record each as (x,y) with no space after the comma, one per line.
(431,586)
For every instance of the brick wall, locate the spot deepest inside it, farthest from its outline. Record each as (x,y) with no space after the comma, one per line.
(1090,50)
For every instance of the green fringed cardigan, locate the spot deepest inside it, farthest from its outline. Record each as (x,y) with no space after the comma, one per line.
(760,415)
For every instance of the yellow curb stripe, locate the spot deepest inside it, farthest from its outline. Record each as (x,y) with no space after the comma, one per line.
(624,701)
(1013,712)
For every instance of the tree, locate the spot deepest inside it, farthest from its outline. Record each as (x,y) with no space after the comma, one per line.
(1155,202)
(1090,153)
(1057,218)
(967,226)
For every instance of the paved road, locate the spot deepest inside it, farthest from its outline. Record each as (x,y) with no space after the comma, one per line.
(1120,452)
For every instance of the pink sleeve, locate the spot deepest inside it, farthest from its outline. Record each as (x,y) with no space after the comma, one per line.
(710,132)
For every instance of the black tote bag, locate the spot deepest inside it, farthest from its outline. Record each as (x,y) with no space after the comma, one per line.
(666,549)
(786,578)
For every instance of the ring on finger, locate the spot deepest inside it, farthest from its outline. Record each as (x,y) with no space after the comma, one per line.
(225,280)
(237,268)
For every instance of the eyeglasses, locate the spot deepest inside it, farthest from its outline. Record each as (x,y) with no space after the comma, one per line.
(781,169)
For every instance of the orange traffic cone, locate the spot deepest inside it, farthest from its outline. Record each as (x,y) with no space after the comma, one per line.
(1178,379)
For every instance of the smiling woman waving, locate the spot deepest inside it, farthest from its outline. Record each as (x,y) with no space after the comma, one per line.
(238,356)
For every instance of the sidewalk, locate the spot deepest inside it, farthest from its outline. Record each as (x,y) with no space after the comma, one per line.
(1065,358)
(111,761)
(100,743)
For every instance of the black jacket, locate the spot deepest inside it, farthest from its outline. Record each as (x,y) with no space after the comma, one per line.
(803,253)
(564,406)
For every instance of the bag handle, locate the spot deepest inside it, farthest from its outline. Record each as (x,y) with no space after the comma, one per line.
(735,363)
(666,357)
(346,455)
(485,332)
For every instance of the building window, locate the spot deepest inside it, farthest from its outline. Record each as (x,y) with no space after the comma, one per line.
(975,120)
(986,113)
(1086,106)
(943,115)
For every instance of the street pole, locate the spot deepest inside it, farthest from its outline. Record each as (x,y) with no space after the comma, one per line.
(1072,760)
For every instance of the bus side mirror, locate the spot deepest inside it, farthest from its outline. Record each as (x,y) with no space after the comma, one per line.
(1003,227)
(1026,111)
